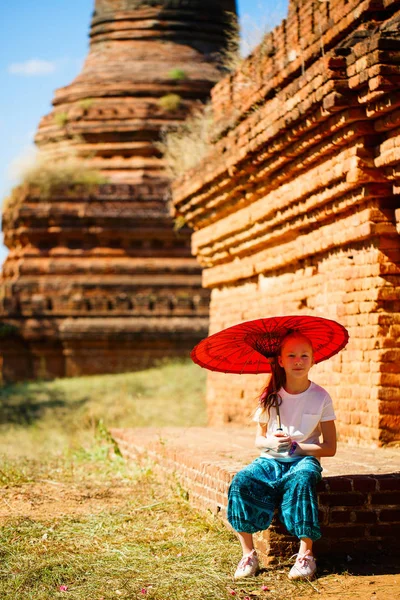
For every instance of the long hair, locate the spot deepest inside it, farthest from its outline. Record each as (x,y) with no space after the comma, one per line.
(269,395)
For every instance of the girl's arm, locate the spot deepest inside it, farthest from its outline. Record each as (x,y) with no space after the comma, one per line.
(279,441)
(261,440)
(326,448)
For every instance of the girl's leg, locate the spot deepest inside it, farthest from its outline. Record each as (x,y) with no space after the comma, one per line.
(305,545)
(299,506)
(246,541)
(248,565)
(251,503)
(252,499)
(304,567)
(299,512)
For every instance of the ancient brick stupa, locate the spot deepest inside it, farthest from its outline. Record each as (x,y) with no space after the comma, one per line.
(97,279)
(307,221)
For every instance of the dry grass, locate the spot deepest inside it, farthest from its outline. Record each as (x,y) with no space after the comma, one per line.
(86,103)
(185,145)
(45,175)
(230,57)
(61,119)
(155,542)
(154,546)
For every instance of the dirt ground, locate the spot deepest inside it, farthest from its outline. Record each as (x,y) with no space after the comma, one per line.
(376,579)
(53,499)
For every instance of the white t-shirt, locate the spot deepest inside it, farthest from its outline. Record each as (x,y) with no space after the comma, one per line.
(301,415)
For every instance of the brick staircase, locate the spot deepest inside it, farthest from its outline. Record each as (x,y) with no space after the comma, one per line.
(359,495)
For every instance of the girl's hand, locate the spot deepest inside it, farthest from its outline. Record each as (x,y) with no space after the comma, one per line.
(278,442)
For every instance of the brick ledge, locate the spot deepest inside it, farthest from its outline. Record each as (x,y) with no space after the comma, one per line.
(359,496)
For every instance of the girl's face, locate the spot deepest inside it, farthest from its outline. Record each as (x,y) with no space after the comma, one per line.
(296,357)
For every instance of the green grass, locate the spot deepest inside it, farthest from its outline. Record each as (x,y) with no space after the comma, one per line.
(47,418)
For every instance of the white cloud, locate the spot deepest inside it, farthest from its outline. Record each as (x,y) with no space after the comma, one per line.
(32,67)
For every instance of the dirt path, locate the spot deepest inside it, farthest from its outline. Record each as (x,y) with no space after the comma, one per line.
(52,499)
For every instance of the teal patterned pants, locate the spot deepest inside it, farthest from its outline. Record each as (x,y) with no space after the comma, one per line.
(267,484)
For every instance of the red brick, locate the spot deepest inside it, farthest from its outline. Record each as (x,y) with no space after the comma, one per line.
(382,498)
(343,533)
(364,484)
(200,476)
(323,485)
(389,483)
(339,484)
(386,531)
(390,515)
(365,516)
(102,250)
(350,499)
(341,516)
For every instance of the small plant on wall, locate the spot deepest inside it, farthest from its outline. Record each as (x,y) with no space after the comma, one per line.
(230,57)
(86,103)
(45,174)
(61,119)
(170,102)
(184,145)
(177,74)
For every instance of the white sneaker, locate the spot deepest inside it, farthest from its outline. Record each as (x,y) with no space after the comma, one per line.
(304,567)
(248,566)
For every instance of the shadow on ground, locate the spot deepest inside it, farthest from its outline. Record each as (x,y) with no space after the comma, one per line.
(23,404)
(383,564)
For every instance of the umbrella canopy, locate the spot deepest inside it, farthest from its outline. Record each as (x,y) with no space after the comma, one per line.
(251,346)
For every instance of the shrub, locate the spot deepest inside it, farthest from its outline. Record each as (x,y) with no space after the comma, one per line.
(177,74)
(170,102)
(45,175)
(230,57)
(184,145)
(7,329)
(86,103)
(61,119)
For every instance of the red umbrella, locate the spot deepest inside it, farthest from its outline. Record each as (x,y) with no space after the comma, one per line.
(251,346)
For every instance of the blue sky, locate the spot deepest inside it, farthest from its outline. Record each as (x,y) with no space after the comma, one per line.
(42,47)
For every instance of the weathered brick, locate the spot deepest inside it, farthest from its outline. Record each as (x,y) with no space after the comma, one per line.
(345,499)
(339,484)
(386,531)
(341,516)
(390,515)
(365,516)
(199,469)
(389,483)
(364,484)
(384,499)
(343,533)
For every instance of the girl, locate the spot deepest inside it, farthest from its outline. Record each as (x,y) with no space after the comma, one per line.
(288,469)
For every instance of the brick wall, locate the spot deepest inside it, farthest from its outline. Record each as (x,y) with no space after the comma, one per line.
(295,210)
